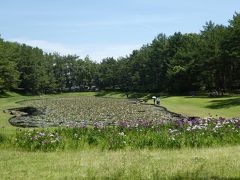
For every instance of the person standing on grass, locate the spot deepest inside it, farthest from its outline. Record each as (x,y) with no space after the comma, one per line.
(158,101)
(154,99)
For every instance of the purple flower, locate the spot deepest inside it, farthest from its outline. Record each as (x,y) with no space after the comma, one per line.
(34,138)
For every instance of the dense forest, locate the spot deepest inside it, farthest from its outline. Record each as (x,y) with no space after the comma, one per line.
(177,64)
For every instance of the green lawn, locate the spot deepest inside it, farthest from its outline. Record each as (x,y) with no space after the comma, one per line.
(203,106)
(207,163)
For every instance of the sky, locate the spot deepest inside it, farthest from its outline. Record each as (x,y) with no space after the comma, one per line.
(105,28)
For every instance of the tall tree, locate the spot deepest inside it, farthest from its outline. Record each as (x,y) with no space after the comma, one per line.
(9,76)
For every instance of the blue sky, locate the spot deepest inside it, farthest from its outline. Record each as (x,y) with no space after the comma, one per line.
(102,28)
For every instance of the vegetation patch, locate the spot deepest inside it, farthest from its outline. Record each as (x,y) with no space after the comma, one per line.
(192,132)
(2,138)
(83,111)
(38,140)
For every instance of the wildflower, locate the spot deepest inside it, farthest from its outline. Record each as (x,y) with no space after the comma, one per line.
(53,141)
(189,129)
(41,134)
(121,134)
(34,138)
(51,135)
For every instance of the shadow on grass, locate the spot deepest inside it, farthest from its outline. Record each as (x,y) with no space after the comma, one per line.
(207,97)
(14,94)
(227,103)
(109,94)
(130,95)
(5,95)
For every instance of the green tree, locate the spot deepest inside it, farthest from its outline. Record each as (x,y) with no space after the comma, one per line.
(9,76)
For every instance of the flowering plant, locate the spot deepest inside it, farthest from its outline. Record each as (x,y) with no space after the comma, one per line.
(38,140)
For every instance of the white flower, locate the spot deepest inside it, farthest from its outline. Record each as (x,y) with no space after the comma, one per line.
(121,134)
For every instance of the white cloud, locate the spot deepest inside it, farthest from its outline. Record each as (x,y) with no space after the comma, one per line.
(96,51)
(46,46)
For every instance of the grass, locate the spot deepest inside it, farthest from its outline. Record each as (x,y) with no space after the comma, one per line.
(92,163)
(203,106)
(210,163)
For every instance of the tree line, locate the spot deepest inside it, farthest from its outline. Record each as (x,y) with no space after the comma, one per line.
(179,63)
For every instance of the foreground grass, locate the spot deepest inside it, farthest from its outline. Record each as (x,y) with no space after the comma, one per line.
(155,164)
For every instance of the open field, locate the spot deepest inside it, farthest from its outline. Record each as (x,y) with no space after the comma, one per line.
(207,163)
(203,106)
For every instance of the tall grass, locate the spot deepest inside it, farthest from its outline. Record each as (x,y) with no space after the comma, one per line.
(206,163)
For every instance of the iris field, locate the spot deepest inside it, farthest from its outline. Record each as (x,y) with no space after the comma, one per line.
(82,111)
(68,124)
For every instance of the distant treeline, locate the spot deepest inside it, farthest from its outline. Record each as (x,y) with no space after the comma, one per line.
(180,63)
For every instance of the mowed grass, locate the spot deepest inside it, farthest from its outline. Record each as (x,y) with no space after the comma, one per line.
(201,106)
(227,107)
(215,163)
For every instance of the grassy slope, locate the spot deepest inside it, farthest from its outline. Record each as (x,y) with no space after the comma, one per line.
(203,106)
(138,164)
(228,106)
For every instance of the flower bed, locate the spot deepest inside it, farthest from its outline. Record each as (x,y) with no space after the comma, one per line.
(192,132)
